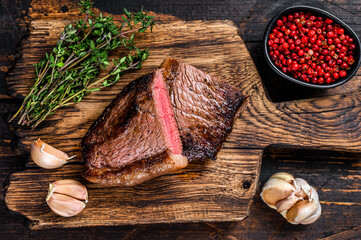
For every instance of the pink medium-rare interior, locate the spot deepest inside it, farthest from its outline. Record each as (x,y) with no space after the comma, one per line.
(165,113)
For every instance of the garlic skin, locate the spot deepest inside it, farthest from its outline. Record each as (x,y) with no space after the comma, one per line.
(67,198)
(46,156)
(293,198)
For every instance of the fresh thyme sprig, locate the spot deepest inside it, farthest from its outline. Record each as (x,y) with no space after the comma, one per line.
(70,71)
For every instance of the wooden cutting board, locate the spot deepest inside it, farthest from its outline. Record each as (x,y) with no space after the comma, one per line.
(219,190)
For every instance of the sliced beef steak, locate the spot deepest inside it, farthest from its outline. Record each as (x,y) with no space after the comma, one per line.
(159,122)
(205,108)
(136,138)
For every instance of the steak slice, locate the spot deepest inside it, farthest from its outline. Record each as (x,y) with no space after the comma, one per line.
(204,107)
(136,138)
(157,123)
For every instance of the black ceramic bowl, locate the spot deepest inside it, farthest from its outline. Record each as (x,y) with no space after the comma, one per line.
(317,12)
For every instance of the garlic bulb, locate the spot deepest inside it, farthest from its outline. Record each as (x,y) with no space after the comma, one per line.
(67,198)
(294,198)
(46,156)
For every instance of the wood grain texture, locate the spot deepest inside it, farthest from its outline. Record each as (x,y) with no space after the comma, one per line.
(338,170)
(210,191)
(205,192)
(214,47)
(317,122)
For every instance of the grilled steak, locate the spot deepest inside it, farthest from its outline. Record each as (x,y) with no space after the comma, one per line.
(136,137)
(204,108)
(158,123)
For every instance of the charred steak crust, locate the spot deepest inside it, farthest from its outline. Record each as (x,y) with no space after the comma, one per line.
(125,131)
(136,86)
(109,175)
(177,109)
(205,108)
(136,172)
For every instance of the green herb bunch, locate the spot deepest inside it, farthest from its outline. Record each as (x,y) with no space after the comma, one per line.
(70,72)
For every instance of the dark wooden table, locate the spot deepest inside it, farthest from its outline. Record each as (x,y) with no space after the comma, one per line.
(336,175)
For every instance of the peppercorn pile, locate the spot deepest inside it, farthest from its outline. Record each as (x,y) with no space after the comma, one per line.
(311,48)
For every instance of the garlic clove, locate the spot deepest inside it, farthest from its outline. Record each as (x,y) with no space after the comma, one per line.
(284,176)
(276,189)
(313,196)
(301,212)
(70,188)
(316,215)
(310,193)
(64,205)
(67,198)
(46,156)
(287,203)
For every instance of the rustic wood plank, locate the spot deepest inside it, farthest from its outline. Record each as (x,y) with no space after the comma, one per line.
(252,16)
(70,124)
(218,51)
(336,177)
(210,191)
(203,192)
(328,123)
(322,169)
(353,233)
(320,121)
